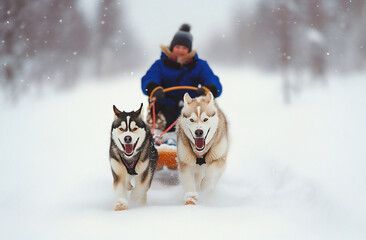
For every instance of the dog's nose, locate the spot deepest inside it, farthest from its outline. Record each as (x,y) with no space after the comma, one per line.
(198,133)
(128,139)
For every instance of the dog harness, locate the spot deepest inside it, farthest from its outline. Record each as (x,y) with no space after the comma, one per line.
(130,167)
(201,160)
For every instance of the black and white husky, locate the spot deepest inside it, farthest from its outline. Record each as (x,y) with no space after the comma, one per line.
(202,145)
(132,156)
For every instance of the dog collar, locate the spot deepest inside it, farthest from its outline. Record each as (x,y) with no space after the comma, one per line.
(201,160)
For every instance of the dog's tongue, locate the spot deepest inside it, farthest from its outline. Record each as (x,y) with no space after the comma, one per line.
(128,148)
(200,142)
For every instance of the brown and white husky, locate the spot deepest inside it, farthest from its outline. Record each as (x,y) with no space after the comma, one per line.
(202,145)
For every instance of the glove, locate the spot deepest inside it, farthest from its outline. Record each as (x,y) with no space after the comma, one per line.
(201,91)
(157,91)
(159,94)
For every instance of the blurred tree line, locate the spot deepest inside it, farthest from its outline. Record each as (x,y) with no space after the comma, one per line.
(51,41)
(298,38)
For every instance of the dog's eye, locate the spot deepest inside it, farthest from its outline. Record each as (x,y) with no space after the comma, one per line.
(205,119)
(121,129)
(135,129)
(191,119)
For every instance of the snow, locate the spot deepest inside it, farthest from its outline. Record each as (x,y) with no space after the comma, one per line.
(315,36)
(294,171)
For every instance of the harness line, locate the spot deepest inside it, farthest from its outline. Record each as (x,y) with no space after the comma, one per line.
(153,107)
(153,100)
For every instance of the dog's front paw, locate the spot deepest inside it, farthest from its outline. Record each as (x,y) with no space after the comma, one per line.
(120,205)
(191,198)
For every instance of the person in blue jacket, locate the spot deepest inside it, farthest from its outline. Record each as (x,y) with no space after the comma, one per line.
(178,65)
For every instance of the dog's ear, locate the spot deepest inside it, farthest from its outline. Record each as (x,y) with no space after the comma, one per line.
(187,99)
(139,112)
(116,111)
(209,97)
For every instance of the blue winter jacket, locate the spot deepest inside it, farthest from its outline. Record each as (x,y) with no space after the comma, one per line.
(165,72)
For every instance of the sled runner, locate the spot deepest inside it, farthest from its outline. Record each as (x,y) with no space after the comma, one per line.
(167,152)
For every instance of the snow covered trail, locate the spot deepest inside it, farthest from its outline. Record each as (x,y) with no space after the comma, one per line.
(294,172)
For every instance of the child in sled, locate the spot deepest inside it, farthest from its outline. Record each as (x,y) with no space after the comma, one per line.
(178,65)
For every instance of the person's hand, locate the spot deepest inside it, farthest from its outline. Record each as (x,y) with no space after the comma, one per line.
(202,90)
(154,90)
(158,93)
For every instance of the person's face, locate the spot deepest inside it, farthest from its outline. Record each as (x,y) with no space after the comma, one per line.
(180,51)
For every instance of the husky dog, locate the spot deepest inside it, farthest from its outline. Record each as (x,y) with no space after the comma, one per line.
(160,121)
(202,145)
(132,156)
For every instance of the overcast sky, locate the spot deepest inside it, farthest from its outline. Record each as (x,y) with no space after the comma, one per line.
(155,22)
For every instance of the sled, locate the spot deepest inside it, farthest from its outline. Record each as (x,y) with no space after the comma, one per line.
(167,153)
(167,157)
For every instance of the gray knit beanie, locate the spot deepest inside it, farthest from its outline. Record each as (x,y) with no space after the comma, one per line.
(183,37)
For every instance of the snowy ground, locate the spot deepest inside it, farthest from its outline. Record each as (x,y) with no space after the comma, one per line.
(294,172)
